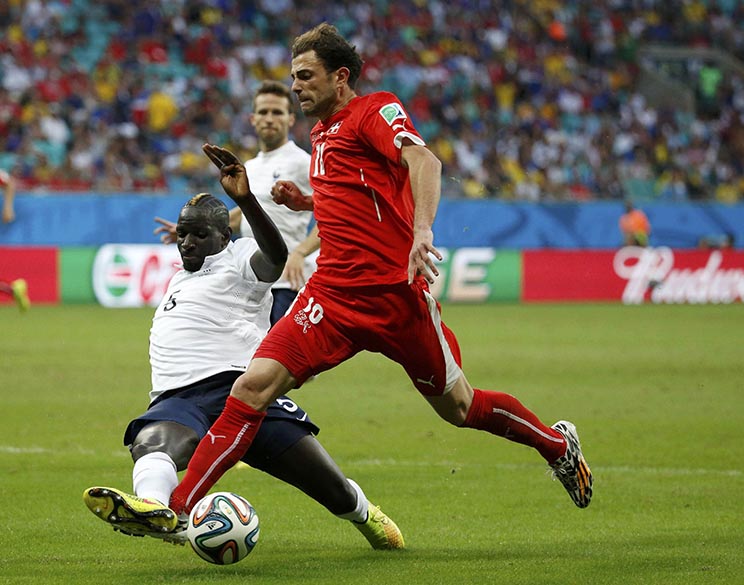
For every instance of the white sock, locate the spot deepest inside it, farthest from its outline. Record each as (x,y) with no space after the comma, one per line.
(358,514)
(154,477)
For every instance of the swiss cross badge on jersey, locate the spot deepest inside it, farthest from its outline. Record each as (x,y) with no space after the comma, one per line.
(392,112)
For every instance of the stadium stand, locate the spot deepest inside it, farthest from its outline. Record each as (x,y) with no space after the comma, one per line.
(530,100)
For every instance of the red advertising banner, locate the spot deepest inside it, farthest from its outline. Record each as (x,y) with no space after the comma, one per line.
(569,275)
(136,275)
(633,275)
(38,266)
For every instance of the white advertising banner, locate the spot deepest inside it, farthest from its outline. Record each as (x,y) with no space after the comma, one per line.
(133,275)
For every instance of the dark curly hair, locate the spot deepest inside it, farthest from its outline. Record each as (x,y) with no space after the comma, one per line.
(332,49)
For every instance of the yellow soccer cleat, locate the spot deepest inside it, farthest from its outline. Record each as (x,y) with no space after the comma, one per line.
(177,537)
(20,294)
(379,530)
(131,515)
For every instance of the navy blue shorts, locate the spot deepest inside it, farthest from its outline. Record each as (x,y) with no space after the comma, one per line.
(198,405)
(283,299)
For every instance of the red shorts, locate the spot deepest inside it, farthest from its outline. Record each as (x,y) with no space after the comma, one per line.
(325,327)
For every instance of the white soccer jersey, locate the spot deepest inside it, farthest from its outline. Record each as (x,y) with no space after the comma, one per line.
(209,321)
(287,163)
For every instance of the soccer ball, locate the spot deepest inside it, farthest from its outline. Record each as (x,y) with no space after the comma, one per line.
(223,528)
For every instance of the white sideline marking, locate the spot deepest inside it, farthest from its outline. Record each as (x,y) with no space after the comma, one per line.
(11,450)
(671,471)
(23,450)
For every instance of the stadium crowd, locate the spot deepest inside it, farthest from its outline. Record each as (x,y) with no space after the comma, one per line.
(525,100)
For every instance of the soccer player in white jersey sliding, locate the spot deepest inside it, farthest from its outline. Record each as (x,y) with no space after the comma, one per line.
(278,159)
(210,321)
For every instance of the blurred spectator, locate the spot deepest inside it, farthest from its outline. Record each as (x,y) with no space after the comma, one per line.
(7,185)
(530,100)
(634,226)
(718,242)
(17,289)
(672,186)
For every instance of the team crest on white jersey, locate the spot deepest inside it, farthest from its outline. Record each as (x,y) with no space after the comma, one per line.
(392,112)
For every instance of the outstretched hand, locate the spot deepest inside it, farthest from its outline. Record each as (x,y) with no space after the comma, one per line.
(166,229)
(233,177)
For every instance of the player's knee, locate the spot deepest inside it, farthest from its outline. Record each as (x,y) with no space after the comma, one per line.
(246,390)
(453,406)
(177,441)
(253,390)
(453,413)
(455,416)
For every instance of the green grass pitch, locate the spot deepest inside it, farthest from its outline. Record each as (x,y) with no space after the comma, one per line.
(657,393)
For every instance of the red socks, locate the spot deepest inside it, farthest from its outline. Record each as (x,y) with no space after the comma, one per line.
(223,446)
(503,415)
(232,434)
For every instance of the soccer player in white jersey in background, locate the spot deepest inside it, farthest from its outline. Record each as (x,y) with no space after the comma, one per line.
(212,317)
(278,159)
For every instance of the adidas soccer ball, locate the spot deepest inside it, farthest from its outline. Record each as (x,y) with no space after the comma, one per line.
(223,528)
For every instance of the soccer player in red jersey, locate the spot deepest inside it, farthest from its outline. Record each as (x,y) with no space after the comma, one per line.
(376,188)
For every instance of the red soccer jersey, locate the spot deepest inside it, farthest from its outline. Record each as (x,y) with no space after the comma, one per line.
(361,193)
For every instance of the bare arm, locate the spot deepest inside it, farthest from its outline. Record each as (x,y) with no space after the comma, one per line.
(425,171)
(294,270)
(268,261)
(235,216)
(9,198)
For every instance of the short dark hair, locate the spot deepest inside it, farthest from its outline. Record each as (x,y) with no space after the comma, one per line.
(332,49)
(215,210)
(276,88)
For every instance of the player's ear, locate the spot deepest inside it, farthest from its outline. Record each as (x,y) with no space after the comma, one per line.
(342,75)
